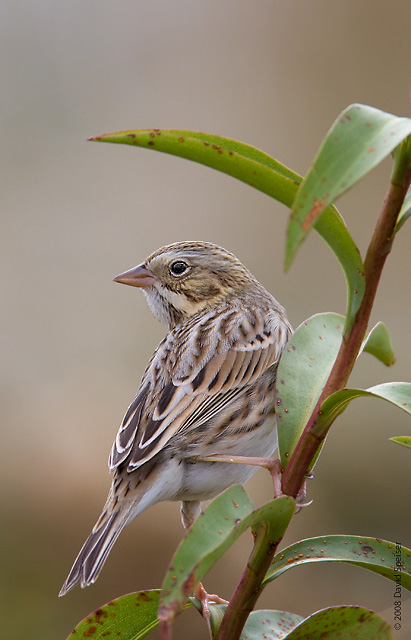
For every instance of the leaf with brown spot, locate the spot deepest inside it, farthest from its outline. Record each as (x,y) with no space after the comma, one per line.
(264,624)
(360,138)
(130,617)
(369,553)
(340,622)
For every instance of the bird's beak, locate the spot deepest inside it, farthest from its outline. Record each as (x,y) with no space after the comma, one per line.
(137,277)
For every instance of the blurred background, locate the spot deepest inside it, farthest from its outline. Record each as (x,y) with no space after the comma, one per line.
(271,73)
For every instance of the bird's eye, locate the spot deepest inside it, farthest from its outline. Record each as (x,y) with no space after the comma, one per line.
(179,267)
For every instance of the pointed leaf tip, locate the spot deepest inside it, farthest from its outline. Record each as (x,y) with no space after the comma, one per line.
(378,344)
(405,441)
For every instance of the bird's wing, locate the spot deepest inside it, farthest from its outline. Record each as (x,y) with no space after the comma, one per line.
(195,372)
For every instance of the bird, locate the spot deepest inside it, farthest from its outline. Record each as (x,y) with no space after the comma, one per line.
(206,398)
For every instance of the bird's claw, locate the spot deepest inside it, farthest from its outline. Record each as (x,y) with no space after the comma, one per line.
(301,499)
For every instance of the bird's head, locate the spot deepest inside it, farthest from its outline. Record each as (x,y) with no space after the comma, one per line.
(181,279)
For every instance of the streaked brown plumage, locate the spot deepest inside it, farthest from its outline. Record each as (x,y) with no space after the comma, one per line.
(207,390)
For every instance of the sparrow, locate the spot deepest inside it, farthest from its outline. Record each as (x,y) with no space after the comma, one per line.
(207,391)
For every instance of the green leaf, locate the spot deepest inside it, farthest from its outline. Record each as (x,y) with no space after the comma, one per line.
(333,623)
(405,441)
(378,344)
(340,622)
(405,211)
(261,171)
(304,368)
(239,160)
(388,559)
(398,393)
(359,140)
(267,624)
(215,530)
(132,617)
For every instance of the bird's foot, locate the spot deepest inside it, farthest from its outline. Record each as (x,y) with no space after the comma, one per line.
(206,599)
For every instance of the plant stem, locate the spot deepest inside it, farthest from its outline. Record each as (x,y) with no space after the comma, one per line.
(377,253)
(248,589)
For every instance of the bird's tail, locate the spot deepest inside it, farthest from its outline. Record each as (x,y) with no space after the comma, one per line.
(95,550)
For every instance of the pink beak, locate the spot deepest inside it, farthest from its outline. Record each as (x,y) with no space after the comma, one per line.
(137,277)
